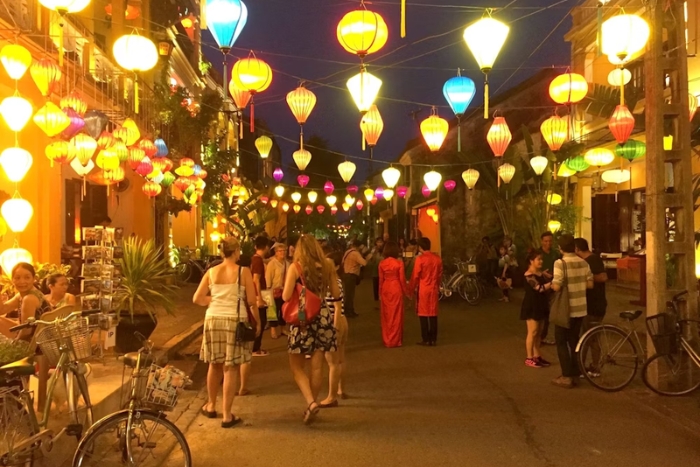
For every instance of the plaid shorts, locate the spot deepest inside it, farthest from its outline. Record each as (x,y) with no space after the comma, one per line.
(219,342)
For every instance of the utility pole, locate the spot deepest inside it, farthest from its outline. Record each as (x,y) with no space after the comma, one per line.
(667,113)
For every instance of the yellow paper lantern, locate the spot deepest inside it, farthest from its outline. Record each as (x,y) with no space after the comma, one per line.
(554,199)
(624,35)
(107,160)
(388,194)
(364,88)
(264,146)
(128,133)
(362,32)
(60,152)
(279,191)
(599,157)
(434,130)
(301,157)
(301,102)
(285,207)
(313,196)
(555,131)
(135,53)
(12,257)
(297,208)
(65,6)
(17,212)
(16,111)
(251,74)
(432,180)
(46,74)
(391,176)
(554,226)
(349,200)
(470,177)
(346,170)
(369,194)
(16,163)
(565,171)
(506,172)
(296,197)
(85,147)
(331,200)
(346,207)
(51,119)
(16,60)
(568,88)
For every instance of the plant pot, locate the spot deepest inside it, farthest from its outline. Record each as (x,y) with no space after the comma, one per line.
(126,340)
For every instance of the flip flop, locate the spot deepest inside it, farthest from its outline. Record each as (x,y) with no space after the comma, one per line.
(206,413)
(231,423)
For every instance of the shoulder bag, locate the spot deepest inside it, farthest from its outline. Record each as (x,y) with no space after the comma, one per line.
(245,332)
(559,306)
(304,306)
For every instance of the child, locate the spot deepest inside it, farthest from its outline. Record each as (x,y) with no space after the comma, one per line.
(505,281)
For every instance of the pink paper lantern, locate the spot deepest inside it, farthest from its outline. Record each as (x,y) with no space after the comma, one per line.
(328,187)
(360,205)
(303,180)
(278,174)
(320,208)
(308,209)
(379,192)
(334,209)
(264,199)
(402,191)
(450,185)
(352,190)
(426,191)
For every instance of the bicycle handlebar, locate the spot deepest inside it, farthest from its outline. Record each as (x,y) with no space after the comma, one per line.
(32,322)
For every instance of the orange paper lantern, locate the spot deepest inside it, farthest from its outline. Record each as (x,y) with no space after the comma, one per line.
(621,124)
(75,102)
(60,152)
(301,101)
(499,136)
(372,125)
(151,189)
(105,140)
(148,147)
(555,132)
(241,97)
(136,155)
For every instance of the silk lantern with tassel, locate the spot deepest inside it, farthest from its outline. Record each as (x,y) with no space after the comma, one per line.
(621,124)
(301,102)
(371,126)
(46,75)
(253,75)
(499,136)
(459,92)
(434,130)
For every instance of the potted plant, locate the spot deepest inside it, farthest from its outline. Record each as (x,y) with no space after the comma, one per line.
(143,290)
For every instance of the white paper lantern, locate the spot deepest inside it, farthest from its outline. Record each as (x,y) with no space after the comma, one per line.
(432,180)
(391,176)
(538,163)
(506,172)
(17,212)
(346,170)
(616,176)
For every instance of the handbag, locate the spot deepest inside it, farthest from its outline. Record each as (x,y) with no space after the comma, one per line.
(559,306)
(245,332)
(270,303)
(304,306)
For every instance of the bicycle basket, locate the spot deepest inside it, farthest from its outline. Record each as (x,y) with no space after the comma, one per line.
(73,336)
(164,387)
(663,331)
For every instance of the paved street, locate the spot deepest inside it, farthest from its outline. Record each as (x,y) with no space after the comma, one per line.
(468,401)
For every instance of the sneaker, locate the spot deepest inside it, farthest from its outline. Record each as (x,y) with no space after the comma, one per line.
(548,342)
(563,382)
(531,362)
(542,361)
(593,372)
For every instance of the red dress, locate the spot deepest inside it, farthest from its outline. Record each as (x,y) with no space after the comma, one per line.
(392,288)
(427,273)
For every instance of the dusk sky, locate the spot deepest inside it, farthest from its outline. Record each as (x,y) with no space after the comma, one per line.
(298,40)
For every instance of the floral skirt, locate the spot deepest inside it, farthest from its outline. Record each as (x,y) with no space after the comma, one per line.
(219,342)
(319,334)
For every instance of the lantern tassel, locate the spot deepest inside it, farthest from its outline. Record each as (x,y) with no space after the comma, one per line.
(301,136)
(363,141)
(136,94)
(403,18)
(622,90)
(459,135)
(240,126)
(599,31)
(486,97)
(203,16)
(252,116)
(60,44)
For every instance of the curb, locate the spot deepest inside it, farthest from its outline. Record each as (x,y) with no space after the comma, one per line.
(177,343)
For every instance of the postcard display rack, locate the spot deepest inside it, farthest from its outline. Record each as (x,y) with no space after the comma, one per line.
(100,276)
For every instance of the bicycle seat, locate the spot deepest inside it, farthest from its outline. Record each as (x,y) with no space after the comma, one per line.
(131,358)
(24,367)
(631,315)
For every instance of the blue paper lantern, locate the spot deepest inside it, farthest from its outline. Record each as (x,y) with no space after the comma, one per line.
(197,169)
(226,19)
(459,92)
(161,148)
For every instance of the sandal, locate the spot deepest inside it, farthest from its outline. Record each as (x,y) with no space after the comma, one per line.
(206,413)
(244,392)
(310,414)
(231,423)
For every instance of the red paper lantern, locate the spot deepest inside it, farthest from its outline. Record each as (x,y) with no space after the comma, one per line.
(621,124)
(148,147)
(426,191)
(264,199)
(145,167)
(334,209)
(308,209)
(352,190)
(202,174)
(360,205)
(328,187)
(320,208)
(374,200)
(106,140)
(499,136)
(136,155)
(151,189)
(182,183)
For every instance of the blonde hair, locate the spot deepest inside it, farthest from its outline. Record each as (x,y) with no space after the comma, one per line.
(229,246)
(318,271)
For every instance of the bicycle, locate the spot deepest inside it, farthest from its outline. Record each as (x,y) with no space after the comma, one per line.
(674,370)
(65,342)
(135,436)
(463,282)
(190,268)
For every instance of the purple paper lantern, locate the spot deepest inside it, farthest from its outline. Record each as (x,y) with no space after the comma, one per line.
(426,191)
(352,190)
(303,180)
(278,174)
(76,123)
(401,191)
(328,187)
(450,185)
(379,192)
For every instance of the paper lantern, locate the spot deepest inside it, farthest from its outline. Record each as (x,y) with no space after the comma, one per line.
(225,20)
(75,124)
(623,35)
(364,88)
(554,199)
(106,140)
(391,176)
(63,7)
(372,126)
(334,210)
(470,177)
(121,151)
(362,32)
(182,183)
(274,203)
(16,60)
(135,53)
(51,119)
(277,174)
(313,196)
(46,75)
(485,38)
(554,226)
(539,164)
(349,200)
(107,160)
(279,191)
(331,200)
(301,102)
(577,163)
(692,105)
(425,191)
(16,111)
(369,194)
(264,145)
(328,187)
(621,123)
(379,192)
(555,131)
(251,74)
(565,171)
(296,197)
(499,136)
(459,92)
(506,172)
(346,170)
(616,176)
(346,207)
(160,164)
(95,122)
(352,189)
(432,180)
(599,157)
(12,257)
(401,191)
(74,101)
(161,147)
(59,152)
(301,157)
(388,194)
(631,150)
(241,97)
(148,147)
(17,212)
(320,208)
(85,147)
(449,185)
(136,155)
(202,174)
(129,132)
(145,167)
(360,205)
(151,189)
(16,162)
(308,210)
(434,130)
(187,162)
(297,208)
(619,77)
(264,199)
(168,179)
(303,180)
(568,88)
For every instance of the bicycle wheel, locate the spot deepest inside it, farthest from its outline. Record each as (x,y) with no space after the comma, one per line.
(183,272)
(15,429)
(445,291)
(79,404)
(468,289)
(671,375)
(608,358)
(154,441)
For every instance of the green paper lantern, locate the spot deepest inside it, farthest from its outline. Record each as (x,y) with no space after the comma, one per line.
(188,192)
(577,163)
(168,179)
(631,150)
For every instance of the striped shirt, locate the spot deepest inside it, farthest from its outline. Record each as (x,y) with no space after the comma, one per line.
(578,273)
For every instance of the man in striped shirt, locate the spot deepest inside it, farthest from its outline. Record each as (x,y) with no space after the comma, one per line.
(575,274)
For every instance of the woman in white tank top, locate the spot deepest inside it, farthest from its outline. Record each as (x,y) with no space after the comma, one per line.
(225,289)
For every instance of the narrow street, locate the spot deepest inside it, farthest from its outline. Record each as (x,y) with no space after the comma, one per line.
(468,401)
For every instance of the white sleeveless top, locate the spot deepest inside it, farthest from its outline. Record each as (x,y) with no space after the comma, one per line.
(225,300)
